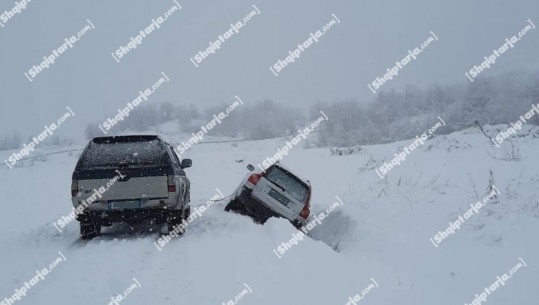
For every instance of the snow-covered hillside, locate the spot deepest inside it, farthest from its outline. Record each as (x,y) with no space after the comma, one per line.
(380,235)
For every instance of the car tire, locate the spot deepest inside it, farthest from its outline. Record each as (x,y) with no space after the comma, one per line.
(297,224)
(89,228)
(187,213)
(174,220)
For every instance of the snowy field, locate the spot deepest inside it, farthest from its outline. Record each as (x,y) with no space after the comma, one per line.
(381,234)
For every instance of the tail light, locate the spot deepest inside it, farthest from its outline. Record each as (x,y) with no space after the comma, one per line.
(254,178)
(74,188)
(306,211)
(171,184)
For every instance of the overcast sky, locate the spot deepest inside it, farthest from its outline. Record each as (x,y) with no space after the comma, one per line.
(370,37)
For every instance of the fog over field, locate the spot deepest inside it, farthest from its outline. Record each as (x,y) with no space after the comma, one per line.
(244,152)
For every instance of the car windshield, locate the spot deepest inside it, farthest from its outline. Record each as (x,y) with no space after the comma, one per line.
(289,182)
(114,153)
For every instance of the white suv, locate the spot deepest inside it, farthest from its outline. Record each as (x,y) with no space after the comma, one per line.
(273,192)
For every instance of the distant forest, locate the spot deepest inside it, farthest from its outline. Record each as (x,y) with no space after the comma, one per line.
(389,117)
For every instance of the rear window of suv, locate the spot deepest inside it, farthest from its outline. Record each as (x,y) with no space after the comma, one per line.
(128,151)
(289,182)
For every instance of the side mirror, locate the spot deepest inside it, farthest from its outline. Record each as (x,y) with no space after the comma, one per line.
(250,167)
(186,163)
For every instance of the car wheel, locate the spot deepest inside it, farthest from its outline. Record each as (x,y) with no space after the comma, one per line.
(187,213)
(174,220)
(89,228)
(297,224)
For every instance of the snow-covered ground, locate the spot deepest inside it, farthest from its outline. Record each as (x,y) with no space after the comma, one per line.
(381,234)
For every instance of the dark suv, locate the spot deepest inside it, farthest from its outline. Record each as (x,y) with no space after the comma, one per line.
(127,179)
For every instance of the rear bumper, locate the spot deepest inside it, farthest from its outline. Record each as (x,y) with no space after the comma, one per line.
(148,209)
(103,206)
(132,215)
(254,206)
(260,210)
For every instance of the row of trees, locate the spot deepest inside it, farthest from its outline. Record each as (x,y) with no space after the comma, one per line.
(259,120)
(145,117)
(393,116)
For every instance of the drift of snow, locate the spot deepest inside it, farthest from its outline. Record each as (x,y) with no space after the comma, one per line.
(382,231)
